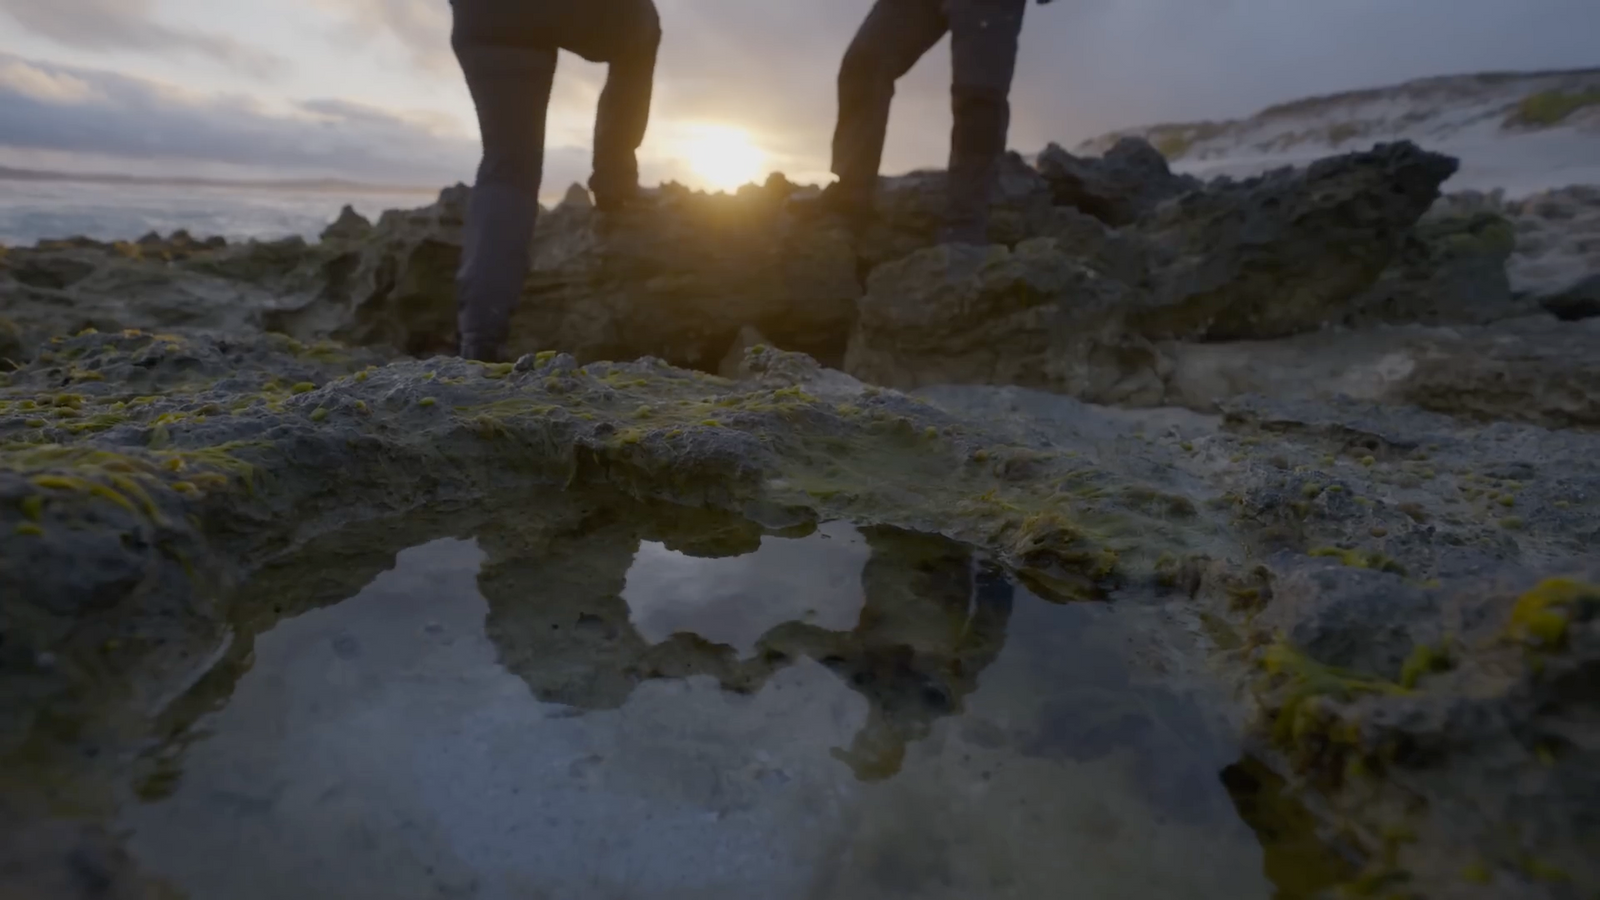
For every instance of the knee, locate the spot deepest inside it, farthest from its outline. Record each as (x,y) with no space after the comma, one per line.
(647,34)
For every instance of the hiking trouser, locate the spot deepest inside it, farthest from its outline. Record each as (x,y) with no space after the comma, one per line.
(507,50)
(898,33)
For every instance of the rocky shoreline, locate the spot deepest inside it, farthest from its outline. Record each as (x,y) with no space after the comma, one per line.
(1378,513)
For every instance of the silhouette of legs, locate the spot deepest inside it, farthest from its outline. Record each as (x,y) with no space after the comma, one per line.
(895,35)
(507,50)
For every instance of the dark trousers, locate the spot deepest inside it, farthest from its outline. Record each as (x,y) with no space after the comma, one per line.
(507,50)
(898,33)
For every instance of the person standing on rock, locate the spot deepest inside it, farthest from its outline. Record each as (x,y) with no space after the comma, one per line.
(507,50)
(896,34)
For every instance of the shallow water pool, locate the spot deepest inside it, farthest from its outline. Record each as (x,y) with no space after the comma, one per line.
(853,713)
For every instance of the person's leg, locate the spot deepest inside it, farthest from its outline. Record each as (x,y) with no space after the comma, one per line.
(983,46)
(894,36)
(626,35)
(510,86)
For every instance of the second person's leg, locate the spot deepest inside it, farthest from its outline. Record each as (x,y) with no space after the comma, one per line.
(894,36)
(626,35)
(983,44)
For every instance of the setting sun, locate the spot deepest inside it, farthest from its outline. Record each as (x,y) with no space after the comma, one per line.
(722,157)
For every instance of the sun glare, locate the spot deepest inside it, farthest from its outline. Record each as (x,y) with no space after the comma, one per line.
(723,158)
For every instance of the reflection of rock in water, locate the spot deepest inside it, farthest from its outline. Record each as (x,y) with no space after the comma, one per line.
(559,621)
(556,612)
(931,623)
(1295,857)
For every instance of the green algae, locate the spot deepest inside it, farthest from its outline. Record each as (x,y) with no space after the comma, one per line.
(1300,722)
(1425,659)
(1296,857)
(1543,614)
(130,481)
(1361,559)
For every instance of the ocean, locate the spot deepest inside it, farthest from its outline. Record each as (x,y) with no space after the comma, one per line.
(35,210)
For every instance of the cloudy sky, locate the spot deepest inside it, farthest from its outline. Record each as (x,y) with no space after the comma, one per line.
(368,89)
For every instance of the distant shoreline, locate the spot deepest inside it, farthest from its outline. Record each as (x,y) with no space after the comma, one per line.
(319,185)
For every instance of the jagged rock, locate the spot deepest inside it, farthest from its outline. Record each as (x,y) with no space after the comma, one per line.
(577,197)
(1282,253)
(1119,188)
(1276,256)
(349,226)
(63,287)
(395,288)
(1581,301)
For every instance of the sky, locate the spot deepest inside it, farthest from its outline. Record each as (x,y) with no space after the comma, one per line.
(368,89)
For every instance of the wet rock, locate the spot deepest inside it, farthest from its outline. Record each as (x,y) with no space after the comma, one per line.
(193,462)
(116,500)
(1344,610)
(1119,188)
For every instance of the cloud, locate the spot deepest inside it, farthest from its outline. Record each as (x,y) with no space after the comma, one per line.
(27,80)
(130,25)
(769,66)
(421,27)
(66,110)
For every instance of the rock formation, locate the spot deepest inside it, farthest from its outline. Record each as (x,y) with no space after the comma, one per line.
(1375,524)
(1120,188)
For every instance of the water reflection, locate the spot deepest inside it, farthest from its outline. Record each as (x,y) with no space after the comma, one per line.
(836,715)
